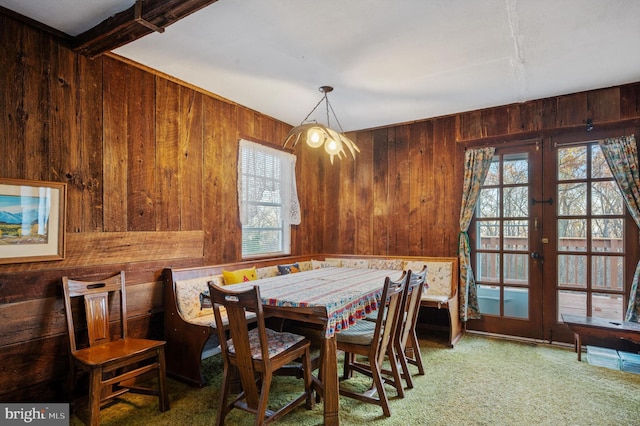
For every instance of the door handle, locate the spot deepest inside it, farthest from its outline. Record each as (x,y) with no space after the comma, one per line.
(537,256)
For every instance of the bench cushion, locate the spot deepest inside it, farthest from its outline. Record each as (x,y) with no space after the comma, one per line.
(188,296)
(439,275)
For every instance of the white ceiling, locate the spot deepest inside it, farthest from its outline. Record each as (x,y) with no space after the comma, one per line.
(389,61)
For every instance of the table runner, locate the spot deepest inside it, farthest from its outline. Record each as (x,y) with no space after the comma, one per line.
(348,294)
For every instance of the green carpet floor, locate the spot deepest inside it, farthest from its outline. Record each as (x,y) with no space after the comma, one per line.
(482,381)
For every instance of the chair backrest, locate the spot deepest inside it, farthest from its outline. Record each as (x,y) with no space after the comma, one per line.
(411,303)
(389,319)
(237,304)
(98,297)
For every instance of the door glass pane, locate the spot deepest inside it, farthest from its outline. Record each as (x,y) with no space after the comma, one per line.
(572,235)
(488,267)
(572,199)
(516,268)
(489,299)
(516,169)
(607,306)
(606,198)
(489,233)
(516,302)
(516,235)
(571,303)
(516,201)
(493,175)
(599,166)
(489,203)
(607,272)
(607,235)
(572,270)
(572,163)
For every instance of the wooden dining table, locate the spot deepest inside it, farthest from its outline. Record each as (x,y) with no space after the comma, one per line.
(335,298)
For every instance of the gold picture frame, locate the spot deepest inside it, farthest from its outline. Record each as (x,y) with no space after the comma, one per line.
(32,220)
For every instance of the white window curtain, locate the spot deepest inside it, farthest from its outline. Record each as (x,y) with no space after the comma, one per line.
(286,165)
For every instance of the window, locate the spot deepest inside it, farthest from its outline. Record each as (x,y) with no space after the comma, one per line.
(268,199)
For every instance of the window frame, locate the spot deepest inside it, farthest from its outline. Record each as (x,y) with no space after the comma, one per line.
(284,178)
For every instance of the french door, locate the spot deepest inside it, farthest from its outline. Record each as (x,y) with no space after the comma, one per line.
(550,235)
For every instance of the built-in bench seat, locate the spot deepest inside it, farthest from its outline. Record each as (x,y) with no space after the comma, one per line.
(189,322)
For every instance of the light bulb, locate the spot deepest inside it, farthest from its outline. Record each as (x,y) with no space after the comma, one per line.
(332,146)
(315,138)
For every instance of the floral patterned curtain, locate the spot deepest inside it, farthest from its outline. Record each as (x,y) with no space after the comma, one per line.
(622,156)
(476,166)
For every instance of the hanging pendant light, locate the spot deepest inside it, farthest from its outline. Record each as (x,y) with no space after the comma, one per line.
(317,134)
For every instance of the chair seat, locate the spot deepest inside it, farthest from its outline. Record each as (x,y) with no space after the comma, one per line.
(115,350)
(278,342)
(360,333)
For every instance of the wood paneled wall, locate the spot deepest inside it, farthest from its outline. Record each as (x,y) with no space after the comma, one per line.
(150,164)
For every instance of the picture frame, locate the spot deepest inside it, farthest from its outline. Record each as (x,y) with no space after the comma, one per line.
(32,220)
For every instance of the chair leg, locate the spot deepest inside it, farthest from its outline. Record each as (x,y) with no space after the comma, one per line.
(264,398)
(224,395)
(395,370)
(402,357)
(417,357)
(346,369)
(95,391)
(163,395)
(378,383)
(308,382)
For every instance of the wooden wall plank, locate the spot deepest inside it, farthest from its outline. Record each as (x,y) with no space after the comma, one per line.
(88,176)
(495,121)
(572,110)
(167,193)
(141,144)
(363,186)
(13,114)
(92,248)
(115,150)
(630,101)
(400,189)
(190,160)
(420,137)
(603,105)
(380,192)
(40,84)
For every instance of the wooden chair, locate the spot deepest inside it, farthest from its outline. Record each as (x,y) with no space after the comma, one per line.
(406,340)
(109,358)
(255,353)
(374,340)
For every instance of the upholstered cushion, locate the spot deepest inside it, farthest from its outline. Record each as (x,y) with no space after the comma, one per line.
(360,333)
(439,276)
(277,341)
(239,276)
(354,263)
(435,298)
(210,319)
(305,265)
(317,264)
(385,263)
(267,272)
(291,268)
(188,296)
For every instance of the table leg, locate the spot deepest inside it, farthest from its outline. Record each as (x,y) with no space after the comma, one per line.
(578,346)
(330,381)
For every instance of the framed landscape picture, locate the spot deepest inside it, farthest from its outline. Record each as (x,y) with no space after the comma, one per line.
(32,220)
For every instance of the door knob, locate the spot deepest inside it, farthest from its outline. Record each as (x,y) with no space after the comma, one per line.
(537,256)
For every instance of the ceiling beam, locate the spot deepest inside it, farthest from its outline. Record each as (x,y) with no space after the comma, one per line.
(127,26)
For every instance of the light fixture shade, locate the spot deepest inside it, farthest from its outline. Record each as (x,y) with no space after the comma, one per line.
(317,134)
